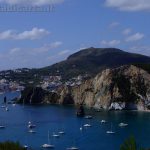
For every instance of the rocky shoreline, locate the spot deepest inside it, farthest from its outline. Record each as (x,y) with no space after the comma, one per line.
(126,87)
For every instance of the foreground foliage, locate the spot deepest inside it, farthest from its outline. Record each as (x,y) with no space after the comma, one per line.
(10,146)
(130,144)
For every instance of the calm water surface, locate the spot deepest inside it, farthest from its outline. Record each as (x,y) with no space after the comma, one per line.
(56,118)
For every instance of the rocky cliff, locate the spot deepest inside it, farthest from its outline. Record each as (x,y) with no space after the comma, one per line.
(126,87)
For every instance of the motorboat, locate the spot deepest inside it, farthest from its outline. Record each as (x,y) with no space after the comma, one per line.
(56,135)
(87,125)
(88,117)
(103,121)
(123,124)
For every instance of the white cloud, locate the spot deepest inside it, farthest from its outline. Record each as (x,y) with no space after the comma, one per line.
(142,49)
(135,37)
(33,51)
(31,2)
(47,47)
(64,52)
(35,33)
(110,43)
(56,44)
(129,5)
(114,24)
(31,57)
(14,50)
(127,31)
(9,34)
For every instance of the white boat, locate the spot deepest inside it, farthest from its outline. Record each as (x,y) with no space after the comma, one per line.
(110,131)
(3,106)
(50,146)
(61,132)
(2,127)
(88,117)
(56,135)
(103,121)
(18,90)
(32,131)
(81,128)
(30,125)
(1,93)
(87,125)
(123,124)
(7,109)
(25,147)
(72,148)
(13,105)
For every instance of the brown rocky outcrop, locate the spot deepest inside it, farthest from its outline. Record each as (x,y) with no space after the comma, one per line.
(126,87)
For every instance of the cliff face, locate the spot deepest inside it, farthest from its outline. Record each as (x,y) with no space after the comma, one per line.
(127,87)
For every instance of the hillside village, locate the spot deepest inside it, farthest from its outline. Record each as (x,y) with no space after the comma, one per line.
(50,83)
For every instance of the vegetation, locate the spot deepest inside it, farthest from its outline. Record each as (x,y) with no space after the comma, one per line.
(143,66)
(93,60)
(10,146)
(130,144)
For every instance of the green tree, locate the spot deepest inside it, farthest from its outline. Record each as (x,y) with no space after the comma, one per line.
(130,144)
(10,146)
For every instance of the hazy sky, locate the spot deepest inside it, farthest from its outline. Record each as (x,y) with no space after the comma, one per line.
(34,39)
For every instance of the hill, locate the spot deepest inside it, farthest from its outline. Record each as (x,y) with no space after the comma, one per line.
(94,60)
(87,61)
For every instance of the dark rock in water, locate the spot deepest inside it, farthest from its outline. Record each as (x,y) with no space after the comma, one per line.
(5,100)
(80,111)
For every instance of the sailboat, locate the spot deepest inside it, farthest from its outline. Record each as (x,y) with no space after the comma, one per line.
(56,135)
(7,109)
(30,125)
(3,106)
(87,125)
(88,117)
(5,102)
(123,124)
(25,147)
(48,145)
(110,131)
(103,121)
(61,131)
(32,131)
(2,127)
(14,104)
(81,128)
(73,148)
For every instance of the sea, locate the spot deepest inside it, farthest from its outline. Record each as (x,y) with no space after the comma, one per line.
(51,119)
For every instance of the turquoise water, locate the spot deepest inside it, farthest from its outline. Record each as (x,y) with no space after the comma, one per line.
(55,118)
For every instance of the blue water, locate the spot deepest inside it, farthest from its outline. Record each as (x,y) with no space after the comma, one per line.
(55,118)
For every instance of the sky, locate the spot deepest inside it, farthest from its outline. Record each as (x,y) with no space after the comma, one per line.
(38,39)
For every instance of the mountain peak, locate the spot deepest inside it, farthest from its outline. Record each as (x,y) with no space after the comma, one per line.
(93,52)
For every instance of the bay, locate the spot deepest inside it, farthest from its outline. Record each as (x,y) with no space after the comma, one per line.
(55,118)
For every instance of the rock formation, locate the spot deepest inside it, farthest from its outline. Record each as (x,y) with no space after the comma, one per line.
(126,87)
